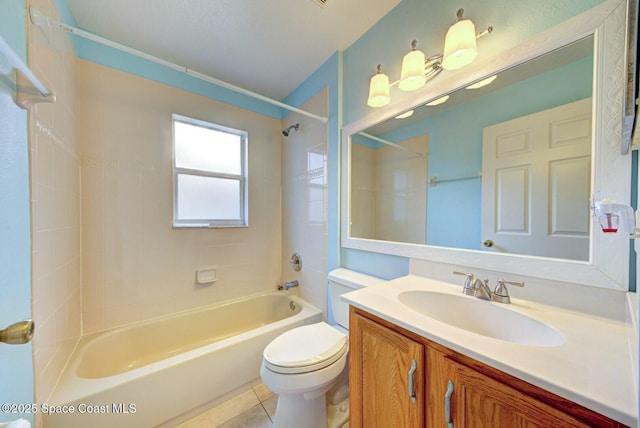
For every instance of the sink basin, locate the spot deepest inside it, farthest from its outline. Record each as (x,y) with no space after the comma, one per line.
(482,317)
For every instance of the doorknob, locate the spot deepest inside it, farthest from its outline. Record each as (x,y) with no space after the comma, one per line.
(18,333)
(488,243)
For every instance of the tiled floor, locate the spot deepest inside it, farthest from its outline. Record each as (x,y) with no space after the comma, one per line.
(252,409)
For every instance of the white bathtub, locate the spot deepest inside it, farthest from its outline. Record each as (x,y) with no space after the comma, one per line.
(149,373)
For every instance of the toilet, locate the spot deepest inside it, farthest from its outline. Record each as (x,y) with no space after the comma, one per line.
(307,366)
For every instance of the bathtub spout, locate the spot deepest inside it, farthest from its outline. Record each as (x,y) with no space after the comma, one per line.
(288,285)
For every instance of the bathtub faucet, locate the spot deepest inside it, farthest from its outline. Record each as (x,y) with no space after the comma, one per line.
(288,285)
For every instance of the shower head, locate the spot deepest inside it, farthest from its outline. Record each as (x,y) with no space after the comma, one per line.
(286,131)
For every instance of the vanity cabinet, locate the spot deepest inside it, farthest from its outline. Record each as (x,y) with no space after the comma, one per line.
(382,383)
(386,365)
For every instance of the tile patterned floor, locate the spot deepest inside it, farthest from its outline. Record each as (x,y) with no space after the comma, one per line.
(252,409)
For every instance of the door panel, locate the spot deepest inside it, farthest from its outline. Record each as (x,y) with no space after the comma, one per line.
(536,181)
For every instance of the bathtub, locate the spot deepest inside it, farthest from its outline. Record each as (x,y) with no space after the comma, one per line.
(150,373)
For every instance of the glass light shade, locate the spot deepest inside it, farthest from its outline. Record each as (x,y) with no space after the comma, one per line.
(439,101)
(460,47)
(405,115)
(483,83)
(379,90)
(412,76)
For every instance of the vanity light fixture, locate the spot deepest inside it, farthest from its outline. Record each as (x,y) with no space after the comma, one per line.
(379,89)
(460,50)
(483,82)
(439,101)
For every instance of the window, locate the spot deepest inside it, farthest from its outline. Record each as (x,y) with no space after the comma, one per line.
(209,174)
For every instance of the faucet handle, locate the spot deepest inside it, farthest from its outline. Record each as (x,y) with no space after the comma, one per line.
(468,275)
(501,294)
(468,283)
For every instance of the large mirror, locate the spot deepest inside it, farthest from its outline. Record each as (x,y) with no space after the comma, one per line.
(502,176)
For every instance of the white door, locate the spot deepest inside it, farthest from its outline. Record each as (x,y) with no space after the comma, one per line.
(535,183)
(16,367)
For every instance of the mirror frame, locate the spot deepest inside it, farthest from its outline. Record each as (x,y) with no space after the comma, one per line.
(608,264)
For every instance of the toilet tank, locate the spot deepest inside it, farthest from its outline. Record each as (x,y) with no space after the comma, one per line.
(343,281)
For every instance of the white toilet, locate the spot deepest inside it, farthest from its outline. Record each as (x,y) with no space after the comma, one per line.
(305,363)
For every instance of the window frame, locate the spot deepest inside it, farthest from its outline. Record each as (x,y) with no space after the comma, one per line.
(242,178)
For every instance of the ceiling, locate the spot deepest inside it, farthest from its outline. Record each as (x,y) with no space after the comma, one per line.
(269,47)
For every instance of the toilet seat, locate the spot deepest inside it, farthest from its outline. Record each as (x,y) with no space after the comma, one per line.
(305,349)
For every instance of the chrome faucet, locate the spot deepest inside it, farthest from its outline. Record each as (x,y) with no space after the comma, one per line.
(478,288)
(500,294)
(289,285)
(468,282)
(475,286)
(481,289)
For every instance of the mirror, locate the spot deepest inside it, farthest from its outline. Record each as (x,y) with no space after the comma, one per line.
(432,193)
(501,176)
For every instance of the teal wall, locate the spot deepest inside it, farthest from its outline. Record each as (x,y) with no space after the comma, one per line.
(16,368)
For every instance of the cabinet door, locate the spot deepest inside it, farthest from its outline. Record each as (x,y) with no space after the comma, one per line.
(440,370)
(481,401)
(380,373)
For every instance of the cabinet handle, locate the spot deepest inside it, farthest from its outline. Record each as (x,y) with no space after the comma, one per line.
(412,370)
(447,405)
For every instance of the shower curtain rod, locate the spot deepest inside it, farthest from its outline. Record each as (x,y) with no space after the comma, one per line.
(389,143)
(17,63)
(37,18)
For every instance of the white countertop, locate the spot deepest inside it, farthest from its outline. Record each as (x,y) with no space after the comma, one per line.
(592,368)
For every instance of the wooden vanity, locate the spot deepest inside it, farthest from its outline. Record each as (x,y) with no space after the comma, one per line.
(380,364)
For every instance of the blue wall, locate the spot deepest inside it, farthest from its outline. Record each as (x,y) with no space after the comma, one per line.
(16,370)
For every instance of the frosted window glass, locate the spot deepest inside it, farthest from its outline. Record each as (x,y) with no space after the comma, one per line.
(208,198)
(206,149)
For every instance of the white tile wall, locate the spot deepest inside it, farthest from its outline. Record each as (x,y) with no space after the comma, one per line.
(136,266)
(305,203)
(55,192)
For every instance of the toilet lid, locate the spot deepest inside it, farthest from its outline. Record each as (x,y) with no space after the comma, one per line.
(307,348)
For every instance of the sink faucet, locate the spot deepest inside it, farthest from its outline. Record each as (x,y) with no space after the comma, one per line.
(475,286)
(481,289)
(500,294)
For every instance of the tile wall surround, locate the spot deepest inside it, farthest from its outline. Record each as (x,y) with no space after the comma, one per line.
(305,201)
(135,265)
(55,156)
